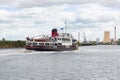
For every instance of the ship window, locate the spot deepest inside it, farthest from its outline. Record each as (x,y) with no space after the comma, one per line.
(52,44)
(34,44)
(67,34)
(65,40)
(59,44)
(74,40)
(55,38)
(59,38)
(28,43)
(47,44)
(41,44)
(55,44)
(31,43)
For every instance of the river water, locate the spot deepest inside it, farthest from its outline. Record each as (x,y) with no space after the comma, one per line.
(87,63)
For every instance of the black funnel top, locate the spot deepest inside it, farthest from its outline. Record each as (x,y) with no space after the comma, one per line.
(54,30)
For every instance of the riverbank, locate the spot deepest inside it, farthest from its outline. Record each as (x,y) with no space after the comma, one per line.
(12,44)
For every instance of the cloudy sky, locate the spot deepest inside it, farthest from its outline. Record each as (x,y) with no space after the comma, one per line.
(22,18)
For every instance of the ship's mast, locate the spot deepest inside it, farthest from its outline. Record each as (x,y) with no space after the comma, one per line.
(66,27)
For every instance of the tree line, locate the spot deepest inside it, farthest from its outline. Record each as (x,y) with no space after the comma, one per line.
(12,44)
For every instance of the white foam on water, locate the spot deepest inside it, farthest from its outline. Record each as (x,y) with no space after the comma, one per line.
(7,52)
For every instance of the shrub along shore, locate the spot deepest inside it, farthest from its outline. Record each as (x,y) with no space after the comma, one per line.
(12,44)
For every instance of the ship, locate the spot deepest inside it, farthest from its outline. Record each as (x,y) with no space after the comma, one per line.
(55,42)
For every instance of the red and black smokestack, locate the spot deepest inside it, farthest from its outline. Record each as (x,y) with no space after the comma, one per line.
(54,33)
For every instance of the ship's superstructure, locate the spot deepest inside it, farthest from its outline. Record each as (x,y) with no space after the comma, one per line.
(55,42)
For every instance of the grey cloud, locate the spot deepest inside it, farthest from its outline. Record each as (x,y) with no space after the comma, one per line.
(39,22)
(88,23)
(4,21)
(33,3)
(21,16)
(84,21)
(91,21)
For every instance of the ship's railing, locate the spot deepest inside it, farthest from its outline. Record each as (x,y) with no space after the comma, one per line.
(38,38)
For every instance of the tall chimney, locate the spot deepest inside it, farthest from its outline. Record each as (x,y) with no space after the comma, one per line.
(115,35)
(79,36)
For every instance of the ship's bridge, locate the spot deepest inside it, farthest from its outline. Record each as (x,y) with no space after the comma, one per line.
(67,35)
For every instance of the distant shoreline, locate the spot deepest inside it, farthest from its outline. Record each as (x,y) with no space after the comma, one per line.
(11,44)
